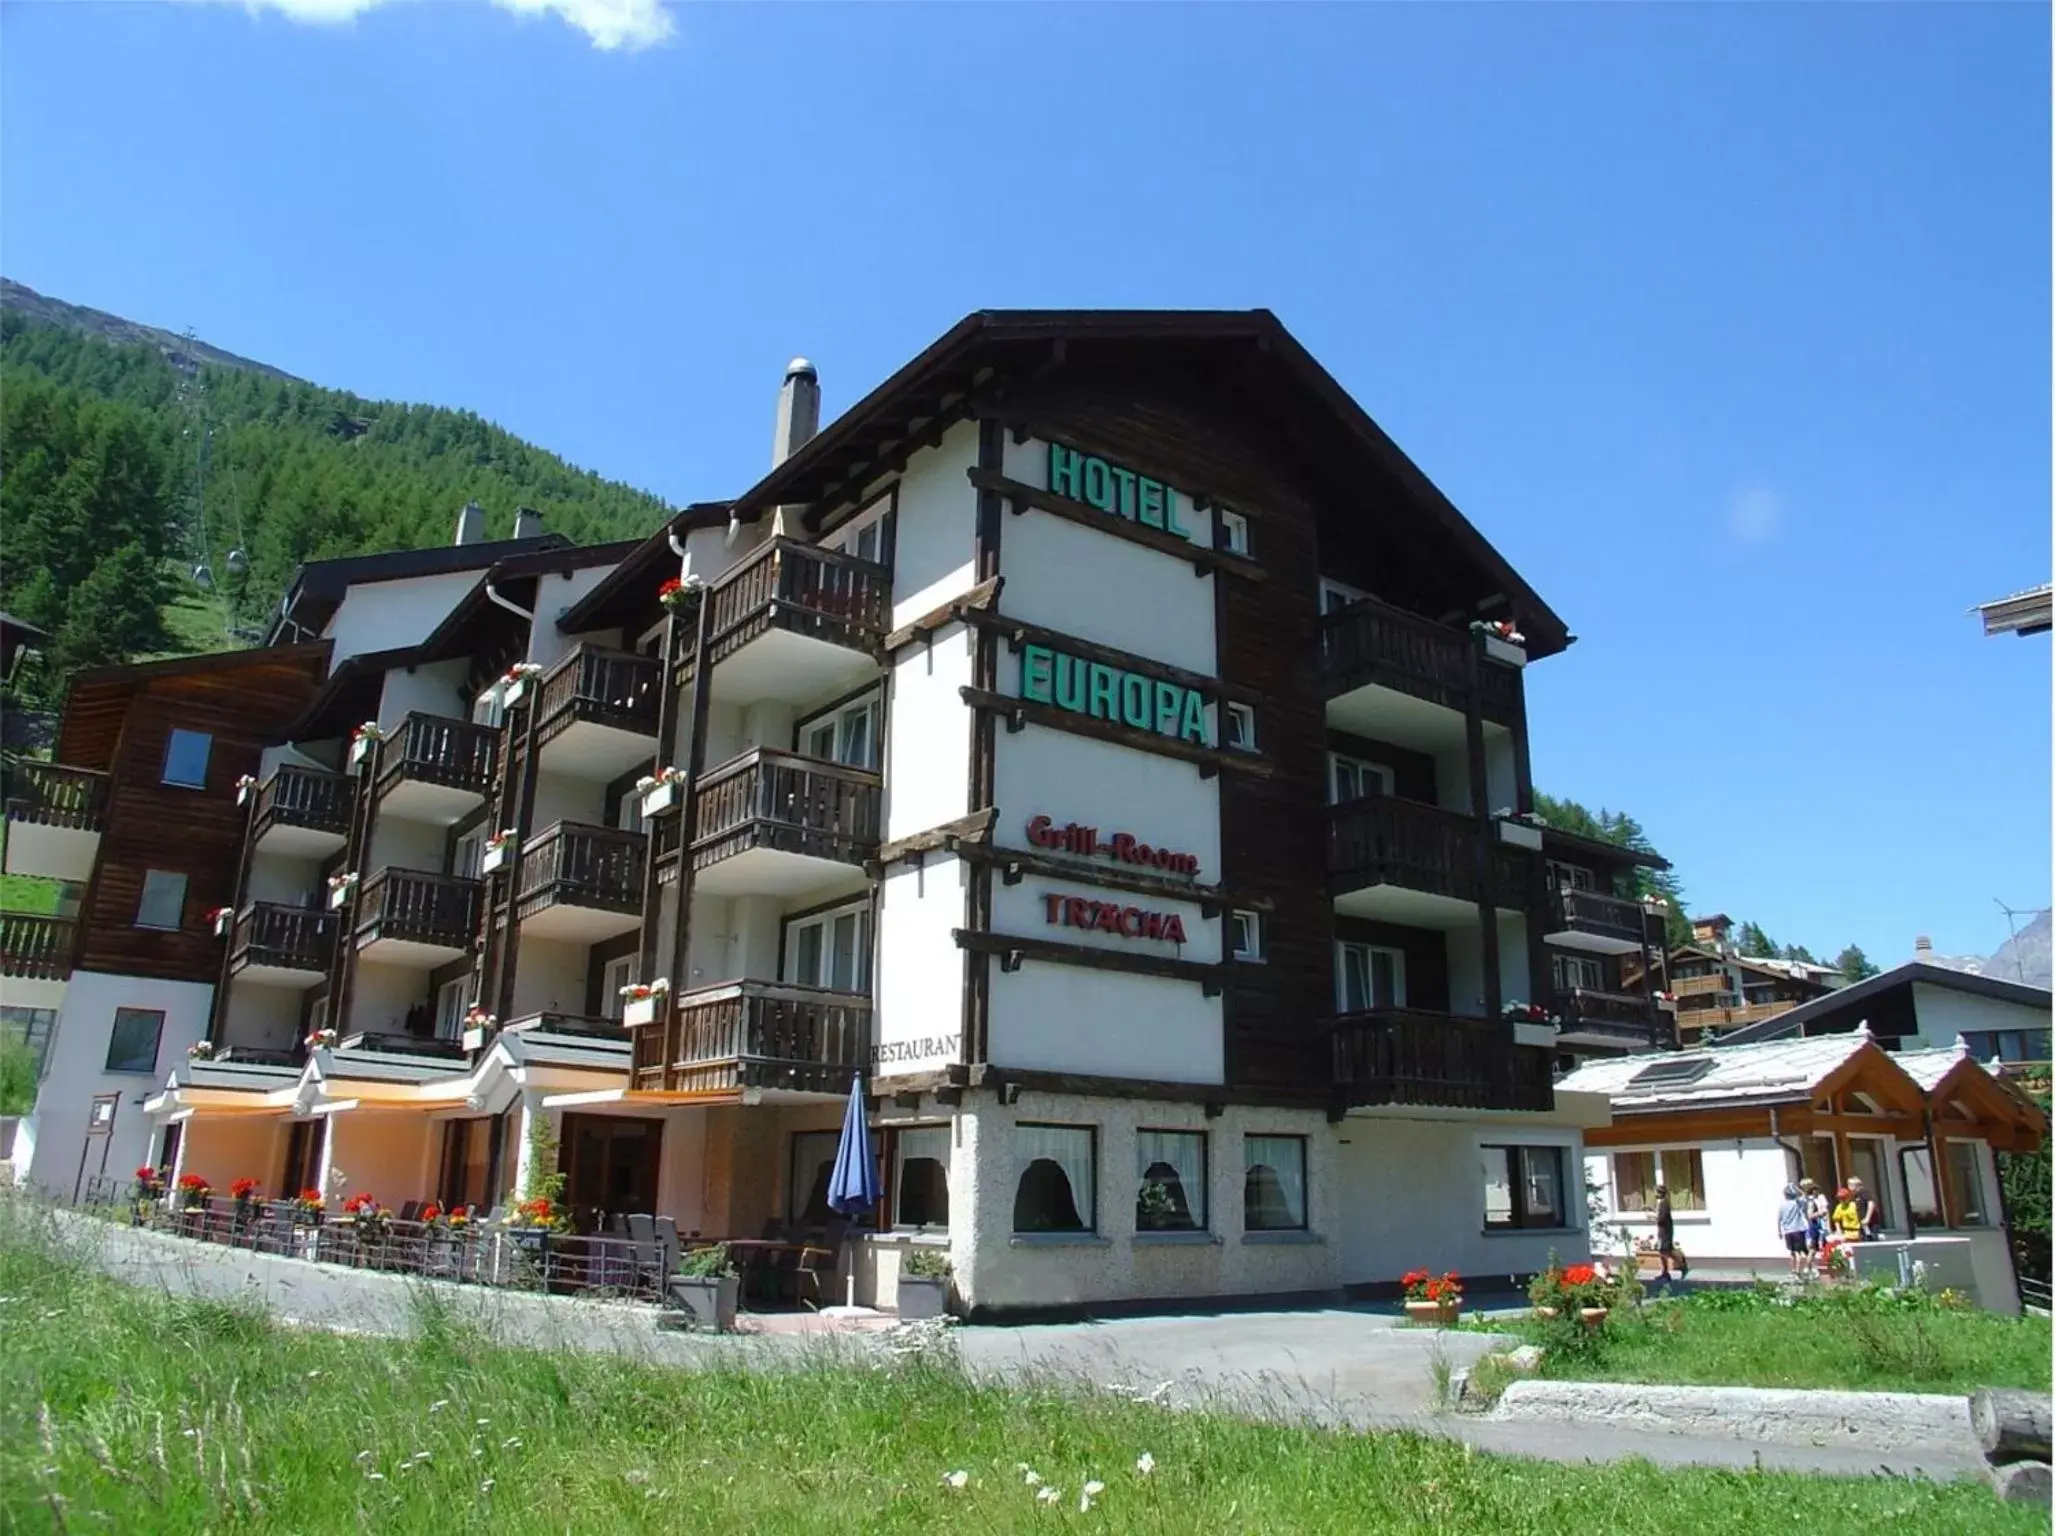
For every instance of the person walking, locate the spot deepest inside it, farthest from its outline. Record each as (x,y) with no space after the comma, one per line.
(1847,1220)
(1868,1211)
(1791,1227)
(1666,1235)
(1816,1211)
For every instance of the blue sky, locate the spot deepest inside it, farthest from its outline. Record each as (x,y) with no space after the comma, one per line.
(1729,325)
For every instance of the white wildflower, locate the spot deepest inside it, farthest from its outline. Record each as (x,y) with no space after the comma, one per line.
(510,1442)
(421,1456)
(486,1486)
(313,1375)
(1027,1473)
(1091,1491)
(376,1477)
(483,1422)
(1048,1495)
(955,1479)
(363,1456)
(636,1475)
(1145,1464)
(438,1405)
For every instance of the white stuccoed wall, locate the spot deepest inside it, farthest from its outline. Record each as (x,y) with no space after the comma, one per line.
(261,1016)
(919,987)
(555,592)
(397,843)
(549,977)
(290,882)
(429,690)
(382,615)
(1944,1013)
(927,753)
(935,557)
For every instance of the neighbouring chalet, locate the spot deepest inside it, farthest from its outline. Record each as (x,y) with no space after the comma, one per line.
(1726,1129)
(1101,738)
(1919,1004)
(1718,989)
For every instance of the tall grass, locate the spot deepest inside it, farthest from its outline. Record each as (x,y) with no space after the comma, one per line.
(132,1411)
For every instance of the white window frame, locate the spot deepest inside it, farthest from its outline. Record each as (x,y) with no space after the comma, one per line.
(1364,769)
(928,1129)
(621,971)
(469,852)
(171,742)
(1238,720)
(143,901)
(836,718)
(1572,877)
(1369,952)
(1245,935)
(847,538)
(452,1002)
(825,922)
(1234,532)
(1565,966)
(1330,590)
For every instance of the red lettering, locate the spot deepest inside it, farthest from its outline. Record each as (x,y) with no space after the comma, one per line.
(1108,916)
(1077,912)
(1131,922)
(1054,905)
(1122,847)
(1173,928)
(1152,927)
(1038,833)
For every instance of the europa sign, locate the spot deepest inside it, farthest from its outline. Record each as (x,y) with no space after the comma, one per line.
(1121,847)
(1092,480)
(1048,676)
(1111,917)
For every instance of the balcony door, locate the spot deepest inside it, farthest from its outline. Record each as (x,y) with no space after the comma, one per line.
(1368,977)
(847,734)
(1577,972)
(830,949)
(1351,778)
(610,1163)
(614,975)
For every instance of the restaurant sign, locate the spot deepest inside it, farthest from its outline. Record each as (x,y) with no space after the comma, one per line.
(1097,483)
(1102,692)
(1121,847)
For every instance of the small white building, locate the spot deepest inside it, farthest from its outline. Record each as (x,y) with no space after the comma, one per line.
(1727,1129)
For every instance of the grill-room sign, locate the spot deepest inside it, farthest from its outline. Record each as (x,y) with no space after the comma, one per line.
(1121,847)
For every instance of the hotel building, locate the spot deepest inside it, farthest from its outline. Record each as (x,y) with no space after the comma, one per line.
(1101,738)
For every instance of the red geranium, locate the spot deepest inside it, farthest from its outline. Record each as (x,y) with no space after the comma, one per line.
(193,1182)
(1579,1275)
(1448,1288)
(310,1197)
(244,1188)
(360,1204)
(431,1212)
(146,1175)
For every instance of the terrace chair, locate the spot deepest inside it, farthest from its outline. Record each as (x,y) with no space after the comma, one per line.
(411,1211)
(667,1244)
(648,1254)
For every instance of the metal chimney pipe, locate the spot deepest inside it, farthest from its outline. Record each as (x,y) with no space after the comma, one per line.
(470,524)
(527,523)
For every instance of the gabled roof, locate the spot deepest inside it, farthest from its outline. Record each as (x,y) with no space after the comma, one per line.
(1334,436)
(318,587)
(1844,1009)
(1782,1071)
(515,578)
(630,587)
(1557,840)
(351,694)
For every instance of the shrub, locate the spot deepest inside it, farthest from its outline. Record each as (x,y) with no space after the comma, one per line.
(926,1264)
(707,1263)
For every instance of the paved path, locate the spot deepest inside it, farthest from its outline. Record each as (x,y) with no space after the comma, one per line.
(1339,1367)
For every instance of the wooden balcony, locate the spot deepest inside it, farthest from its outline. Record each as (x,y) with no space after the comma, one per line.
(412,917)
(1698,986)
(281,945)
(55,814)
(389,1044)
(1371,644)
(1610,1018)
(596,712)
(793,622)
(747,1035)
(35,946)
(581,883)
(1595,923)
(774,822)
(1404,1056)
(436,769)
(1402,861)
(1693,1021)
(303,812)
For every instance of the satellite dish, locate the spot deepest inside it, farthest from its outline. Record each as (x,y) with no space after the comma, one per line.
(202,577)
(238,562)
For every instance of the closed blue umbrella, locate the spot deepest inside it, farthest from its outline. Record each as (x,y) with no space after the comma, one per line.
(853,1187)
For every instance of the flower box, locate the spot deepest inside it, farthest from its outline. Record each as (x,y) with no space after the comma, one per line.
(338,896)
(361,750)
(660,799)
(1520,834)
(1505,650)
(517,690)
(1439,1314)
(493,858)
(710,1300)
(922,1297)
(223,921)
(640,1010)
(474,1039)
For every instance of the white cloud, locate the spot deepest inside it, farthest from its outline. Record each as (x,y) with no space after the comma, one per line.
(1754,514)
(609,24)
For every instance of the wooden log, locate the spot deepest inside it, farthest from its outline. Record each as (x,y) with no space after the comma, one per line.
(2011,1425)
(2024,1482)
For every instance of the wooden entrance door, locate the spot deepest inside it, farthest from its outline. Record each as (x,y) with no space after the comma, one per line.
(610,1164)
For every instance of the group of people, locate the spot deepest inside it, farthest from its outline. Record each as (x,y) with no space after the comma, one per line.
(1808,1221)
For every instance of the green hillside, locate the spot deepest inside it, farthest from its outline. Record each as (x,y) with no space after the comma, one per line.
(123,466)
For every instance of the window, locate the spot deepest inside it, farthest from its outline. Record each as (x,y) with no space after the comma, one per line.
(1234,532)
(132,1046)
(185,759)
(1569,877)
(614,975)
(1245,935)
(1636,1175)
(864,534)
(1368,976)
(1241,728)
(1523,1186)
(489,708)
(1170,1195)
(1335,595)
(1866,1158)
(920,1176)
(1577,971)
(1274,1183)
(30,1029)
(813,1167)
(832,950)
(847,734)
(1965,1186)
(1920,1195)
(1058,1179)
(469,850)
(164,901)
(1350,778)
(452,1001)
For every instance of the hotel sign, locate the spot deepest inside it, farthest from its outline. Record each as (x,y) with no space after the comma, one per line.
(1121,492)
(1091,688)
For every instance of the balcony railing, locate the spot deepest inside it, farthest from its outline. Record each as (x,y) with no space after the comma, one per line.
(258,1056)
(1699,986)
(390,1044)
(1371,642)
(56,794)
(821,593)
(305,797)
(1400,1056)
(35,946)
(418,907)
(1696,1019)
(614,688)
(753,1034)
(285,938)
(581,866)
(772,799)
(435,749)
(1602,916)
(1619,1014)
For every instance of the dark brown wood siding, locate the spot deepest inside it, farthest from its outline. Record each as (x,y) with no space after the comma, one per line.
(194,832)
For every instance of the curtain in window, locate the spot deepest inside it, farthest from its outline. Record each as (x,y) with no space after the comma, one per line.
(1069,1148)
(1634,1181)
(1544,1178)
(922,1144)
(1684,1172)
(1495,1164)
(1965,1185)
(1184,1152)
(1284,1157)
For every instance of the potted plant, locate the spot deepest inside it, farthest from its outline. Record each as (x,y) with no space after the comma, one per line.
(478,1027)
(1155,1208)
(1522,829)
(677,592)
(642,1004)
(497,848)
(200,1050)
(707,1286)
(1436,1299)
(660,791)
(1503,641)
(1582,1291)
(340,888)
(514,686)
(193,1190)
(320,1040)
(245,1192)
(364,741)
(149,1190)
(924,1275)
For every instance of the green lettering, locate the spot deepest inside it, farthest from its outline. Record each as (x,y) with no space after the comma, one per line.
(1105,690)
(1070,683)
(1035,665)
(1126,501)
(1098,484)
(1149,502)
(1169,698)
(1135,693)
(1064,464)
(1192,727)
(1170,522)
